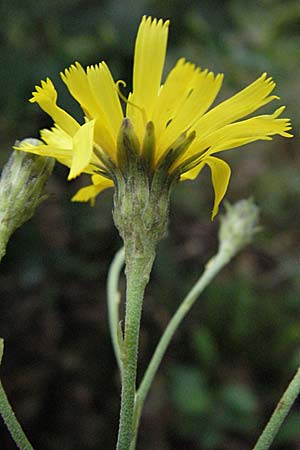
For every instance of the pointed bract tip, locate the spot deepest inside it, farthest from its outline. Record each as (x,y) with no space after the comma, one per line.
(126,124)
(150,127)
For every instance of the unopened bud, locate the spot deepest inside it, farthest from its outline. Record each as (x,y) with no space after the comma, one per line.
(21,189)
(238,226)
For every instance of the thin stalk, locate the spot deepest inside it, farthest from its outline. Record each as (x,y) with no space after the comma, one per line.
(211,270)
(113,302)
(281,411)
(9,417)
(138,267)
(12,423)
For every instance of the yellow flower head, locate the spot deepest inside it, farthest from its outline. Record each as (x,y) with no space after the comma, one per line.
(172,122)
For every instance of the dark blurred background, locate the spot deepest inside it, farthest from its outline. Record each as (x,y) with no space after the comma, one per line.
(240,345)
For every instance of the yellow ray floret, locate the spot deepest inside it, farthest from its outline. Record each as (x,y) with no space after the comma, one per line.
(220,175)
(239,133)
(82,149)
(57,137)
(87,89)
(89,193)
(149,59)
(238,106)
(46,95)
(103,87)
(199,93)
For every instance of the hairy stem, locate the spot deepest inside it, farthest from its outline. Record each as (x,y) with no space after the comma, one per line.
(9,417)
(281,411)
(138,268)
(12,423)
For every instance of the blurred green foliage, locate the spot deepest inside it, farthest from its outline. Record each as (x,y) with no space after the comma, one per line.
(240,345)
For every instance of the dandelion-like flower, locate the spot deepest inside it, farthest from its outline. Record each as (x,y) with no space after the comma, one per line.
(172,123)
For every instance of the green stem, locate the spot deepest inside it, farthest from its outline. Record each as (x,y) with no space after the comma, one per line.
(113,300)
(11,422)
(138,268)
(282,409)
(212,268)
(136,422)
(9,417)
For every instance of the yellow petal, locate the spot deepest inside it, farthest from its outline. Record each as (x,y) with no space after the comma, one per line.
(57,137)
(59,145)
(240,105)
(238,134)
(82,149)
(77,82)
(82,87)
(46,96)
(103,88)
(45,150)
(220,174)
(89,193)
(172,93)
(104,139)
(193,173)
(256,128)
(149,58)
(201,90)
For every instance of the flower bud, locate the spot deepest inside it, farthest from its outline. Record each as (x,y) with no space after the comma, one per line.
(238,226)
(21,189)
